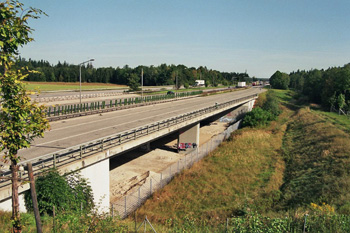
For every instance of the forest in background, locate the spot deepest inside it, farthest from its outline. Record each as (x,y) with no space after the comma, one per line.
(152,75)
(330,87)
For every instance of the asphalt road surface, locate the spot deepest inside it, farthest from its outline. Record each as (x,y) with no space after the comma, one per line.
(71,132)
(49,94)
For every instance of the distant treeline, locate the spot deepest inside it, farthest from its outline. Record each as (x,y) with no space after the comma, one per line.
(329,87)
(152,75)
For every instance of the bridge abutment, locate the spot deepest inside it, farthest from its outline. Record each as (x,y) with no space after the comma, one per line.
(188,137)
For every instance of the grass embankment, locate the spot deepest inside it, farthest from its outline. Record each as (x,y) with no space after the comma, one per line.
(60,86)
(221,185)
(318,164)
(277,171)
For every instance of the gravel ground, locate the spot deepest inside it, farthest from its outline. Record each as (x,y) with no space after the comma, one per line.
(128,177)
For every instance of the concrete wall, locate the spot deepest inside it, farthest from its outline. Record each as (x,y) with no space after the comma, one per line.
(98,176)
(7,205)
(249,105)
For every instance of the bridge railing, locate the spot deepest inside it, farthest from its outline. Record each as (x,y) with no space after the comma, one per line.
(63,157)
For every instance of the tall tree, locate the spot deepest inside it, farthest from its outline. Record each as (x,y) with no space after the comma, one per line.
(280,80)
(20,120)
(134,82)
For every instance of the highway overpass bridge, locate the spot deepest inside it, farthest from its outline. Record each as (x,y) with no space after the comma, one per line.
(87,143)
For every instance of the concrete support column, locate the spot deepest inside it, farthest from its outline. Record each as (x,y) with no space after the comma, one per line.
(145,147)
(188,138)
(249,105)
(98,176)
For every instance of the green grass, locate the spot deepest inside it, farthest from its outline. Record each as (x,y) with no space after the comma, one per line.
(341,121)
(41,86)
(318,161)
(284,96)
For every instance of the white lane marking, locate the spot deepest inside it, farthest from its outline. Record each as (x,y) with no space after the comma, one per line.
(76,135)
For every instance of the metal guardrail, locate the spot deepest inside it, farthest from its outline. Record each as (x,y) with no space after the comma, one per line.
(72,97)
(74,153)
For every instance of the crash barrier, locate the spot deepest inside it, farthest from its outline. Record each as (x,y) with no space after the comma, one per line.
(64,110)
(72,97)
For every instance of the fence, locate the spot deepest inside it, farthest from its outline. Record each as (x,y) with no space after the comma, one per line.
(71,97)
(129,203)
(54,112)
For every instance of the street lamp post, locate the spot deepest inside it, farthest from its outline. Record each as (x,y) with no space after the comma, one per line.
(80,75)
(142,85)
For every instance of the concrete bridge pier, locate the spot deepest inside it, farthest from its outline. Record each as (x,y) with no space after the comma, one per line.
(145,147)
(249,105)
(188,138)
(98,178)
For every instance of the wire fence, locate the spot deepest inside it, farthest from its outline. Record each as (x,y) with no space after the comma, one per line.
(129,203)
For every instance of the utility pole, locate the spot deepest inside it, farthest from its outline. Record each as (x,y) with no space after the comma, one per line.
(176,85)
(141,85)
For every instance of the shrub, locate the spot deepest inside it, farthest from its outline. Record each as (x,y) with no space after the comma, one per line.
(65,193)
(257,117)
(271,104)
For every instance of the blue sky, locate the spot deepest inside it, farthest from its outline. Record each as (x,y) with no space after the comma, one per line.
(260,36)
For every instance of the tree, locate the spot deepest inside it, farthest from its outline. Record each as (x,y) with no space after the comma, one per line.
(280,80)
(134,82)
(341,101)
(20,120)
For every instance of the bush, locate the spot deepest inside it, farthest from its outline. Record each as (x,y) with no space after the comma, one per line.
(267,111)
(271,104)
(257,117)
(65,193)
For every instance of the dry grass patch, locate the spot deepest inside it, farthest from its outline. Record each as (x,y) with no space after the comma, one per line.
(220,185)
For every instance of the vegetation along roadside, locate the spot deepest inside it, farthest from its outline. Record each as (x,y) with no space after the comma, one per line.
(271,177)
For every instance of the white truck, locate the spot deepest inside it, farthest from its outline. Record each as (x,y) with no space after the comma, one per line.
(241,84)
(199,83)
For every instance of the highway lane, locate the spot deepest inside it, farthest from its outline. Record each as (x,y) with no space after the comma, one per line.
(70,132)
(50,94)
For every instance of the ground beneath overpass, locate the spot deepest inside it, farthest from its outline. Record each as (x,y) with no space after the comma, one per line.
(129,171)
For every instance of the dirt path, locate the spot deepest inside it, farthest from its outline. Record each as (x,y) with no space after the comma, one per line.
(129,176)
